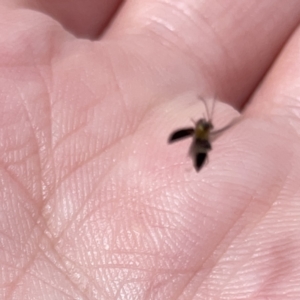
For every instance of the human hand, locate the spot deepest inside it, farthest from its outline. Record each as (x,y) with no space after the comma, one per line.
(95,204)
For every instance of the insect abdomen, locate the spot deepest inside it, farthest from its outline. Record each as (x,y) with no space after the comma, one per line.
(199,151)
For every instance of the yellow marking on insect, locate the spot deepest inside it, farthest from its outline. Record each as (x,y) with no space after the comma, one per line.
(201,133)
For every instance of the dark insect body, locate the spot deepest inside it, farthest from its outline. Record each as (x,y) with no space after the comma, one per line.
(202,133)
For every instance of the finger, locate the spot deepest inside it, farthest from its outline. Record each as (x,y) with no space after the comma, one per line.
(223,43)
(271,171)
(278,96)
(82,18)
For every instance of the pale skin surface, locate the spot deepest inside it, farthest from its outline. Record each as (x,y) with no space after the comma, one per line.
(95,204)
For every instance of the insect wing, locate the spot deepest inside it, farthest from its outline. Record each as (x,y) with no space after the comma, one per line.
(216,133)
(181,134)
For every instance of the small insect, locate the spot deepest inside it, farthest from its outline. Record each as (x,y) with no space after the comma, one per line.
(202,134)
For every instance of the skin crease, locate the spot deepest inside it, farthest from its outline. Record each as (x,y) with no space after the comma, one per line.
(96,205)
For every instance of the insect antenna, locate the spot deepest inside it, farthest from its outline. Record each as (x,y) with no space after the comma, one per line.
(209,113)
(212,110)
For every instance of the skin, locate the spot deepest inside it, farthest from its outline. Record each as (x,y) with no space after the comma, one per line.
(95,204)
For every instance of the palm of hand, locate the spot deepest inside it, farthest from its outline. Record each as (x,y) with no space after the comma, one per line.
(95,205)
